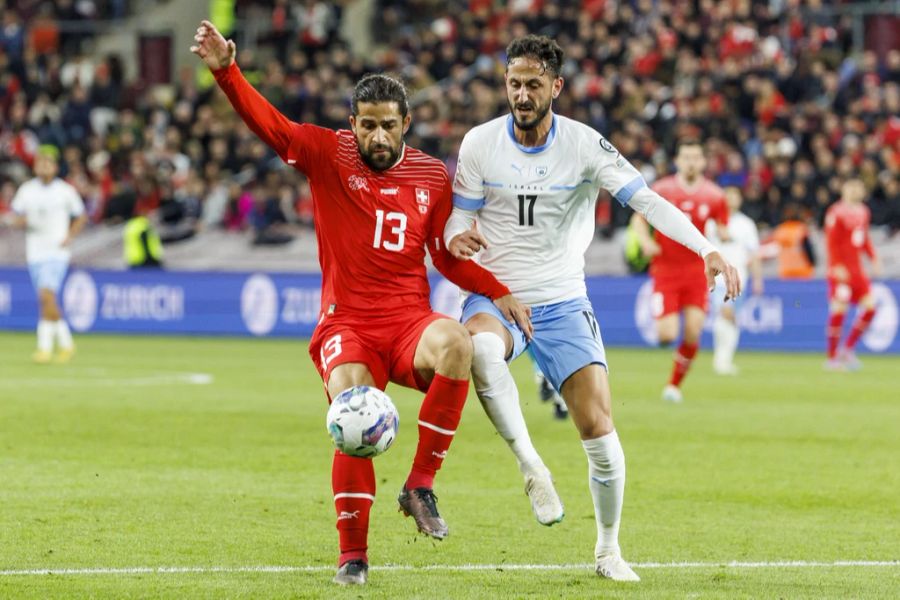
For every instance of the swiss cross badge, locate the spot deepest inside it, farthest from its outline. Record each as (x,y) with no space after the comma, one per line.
(422,199)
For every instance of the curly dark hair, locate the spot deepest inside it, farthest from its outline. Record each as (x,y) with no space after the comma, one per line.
(540,48)
(377,87)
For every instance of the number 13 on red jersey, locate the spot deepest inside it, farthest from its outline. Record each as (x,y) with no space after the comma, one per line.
(394,239)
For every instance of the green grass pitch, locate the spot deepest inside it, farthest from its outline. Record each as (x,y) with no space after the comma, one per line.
(132,457)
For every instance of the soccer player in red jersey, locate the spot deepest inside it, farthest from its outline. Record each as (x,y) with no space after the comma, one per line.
(378,205)
(679,278)
(847,235)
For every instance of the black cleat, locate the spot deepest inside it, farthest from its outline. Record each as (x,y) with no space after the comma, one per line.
(560,410)
(352,572)
(545,390)
(421,504)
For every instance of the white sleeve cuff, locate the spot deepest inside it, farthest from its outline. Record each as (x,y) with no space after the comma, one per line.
(460,220)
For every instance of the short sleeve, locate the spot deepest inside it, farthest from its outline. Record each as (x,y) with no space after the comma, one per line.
(468,185)
(612,170)
(18,202)
(75,204)
(752,236)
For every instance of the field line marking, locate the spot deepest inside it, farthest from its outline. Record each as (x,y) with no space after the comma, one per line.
(152,379)
(802,564)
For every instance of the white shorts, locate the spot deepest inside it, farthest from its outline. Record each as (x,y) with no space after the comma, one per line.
(48,274)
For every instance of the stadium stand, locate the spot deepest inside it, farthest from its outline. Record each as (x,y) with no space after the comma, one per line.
(786,99)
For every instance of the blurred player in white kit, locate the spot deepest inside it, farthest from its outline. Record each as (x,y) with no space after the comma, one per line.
(742,251)
(52,214)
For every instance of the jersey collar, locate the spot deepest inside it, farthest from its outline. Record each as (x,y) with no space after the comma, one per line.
(510,129)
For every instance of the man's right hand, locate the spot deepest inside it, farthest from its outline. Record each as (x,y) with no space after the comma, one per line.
(464,245)
(213,48)
(516,313)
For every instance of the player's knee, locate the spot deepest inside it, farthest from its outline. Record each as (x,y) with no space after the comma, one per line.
(598,424)
(456,347)
(666,337)
(488,349)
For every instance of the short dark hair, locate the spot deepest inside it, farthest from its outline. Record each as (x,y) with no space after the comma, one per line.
(684,142)
(377,87)
(539,47)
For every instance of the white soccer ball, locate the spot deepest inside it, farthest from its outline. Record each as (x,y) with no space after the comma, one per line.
(362,421)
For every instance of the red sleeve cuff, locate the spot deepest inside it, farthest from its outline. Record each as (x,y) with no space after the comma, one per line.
(226,73)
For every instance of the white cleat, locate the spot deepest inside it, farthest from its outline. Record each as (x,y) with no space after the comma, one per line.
(545,502)
(728,370)
(612,566)
(834,364)
(672,394)
(851,362)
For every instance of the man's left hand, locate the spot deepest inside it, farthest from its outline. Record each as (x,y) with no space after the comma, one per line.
(716,265)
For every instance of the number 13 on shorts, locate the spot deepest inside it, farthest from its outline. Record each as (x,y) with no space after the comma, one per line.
(330,350)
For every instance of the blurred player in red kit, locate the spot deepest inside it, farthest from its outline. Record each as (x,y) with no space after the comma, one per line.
(847,236)
(378,205)
(679,277)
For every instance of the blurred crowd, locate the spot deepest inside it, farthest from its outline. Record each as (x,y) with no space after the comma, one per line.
(784,107)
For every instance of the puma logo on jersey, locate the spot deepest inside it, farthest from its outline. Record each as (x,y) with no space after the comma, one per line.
(357,183)
(519,170)
(292,161)
(348,515)
(390,191)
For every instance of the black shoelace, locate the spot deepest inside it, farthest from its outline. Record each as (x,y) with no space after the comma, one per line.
(355,566)
(428,498)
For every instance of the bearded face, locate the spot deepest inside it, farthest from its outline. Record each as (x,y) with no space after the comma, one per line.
(530,90)
(379,129)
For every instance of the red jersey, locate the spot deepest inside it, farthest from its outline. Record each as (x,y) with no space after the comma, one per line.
(702,203)
(372,227)
(847,236)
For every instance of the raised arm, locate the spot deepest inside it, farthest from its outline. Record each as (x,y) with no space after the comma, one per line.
(261,117)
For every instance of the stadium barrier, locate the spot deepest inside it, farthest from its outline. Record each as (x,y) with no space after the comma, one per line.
(790,315)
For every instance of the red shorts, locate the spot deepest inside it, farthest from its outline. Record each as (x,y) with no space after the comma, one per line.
(672,294)
(851,291)
(385,344)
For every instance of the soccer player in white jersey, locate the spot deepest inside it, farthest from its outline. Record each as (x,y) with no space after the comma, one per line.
(530,179)
(741,250)
(52,213)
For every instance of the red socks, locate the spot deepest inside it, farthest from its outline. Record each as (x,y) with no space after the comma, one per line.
(353,483)
(833,334)
(353,479)
(438,419)
(683,358)
(859,327)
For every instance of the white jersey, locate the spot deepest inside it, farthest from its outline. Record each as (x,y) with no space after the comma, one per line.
(744,243)
(48,210)
(535,206)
